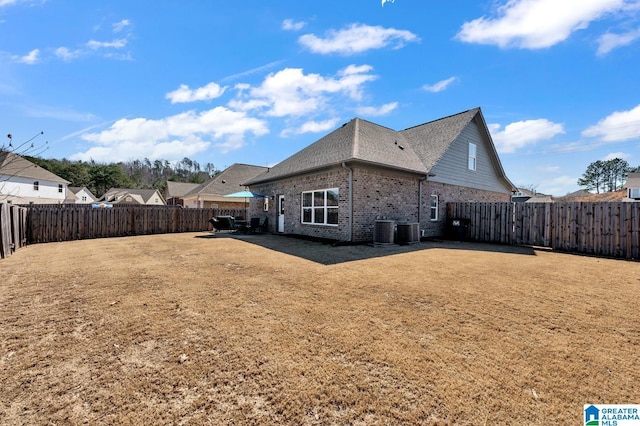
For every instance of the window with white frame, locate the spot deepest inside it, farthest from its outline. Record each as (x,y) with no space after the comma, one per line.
(320,207)
(59,187)
(472,156)
(434,207)
(36,186)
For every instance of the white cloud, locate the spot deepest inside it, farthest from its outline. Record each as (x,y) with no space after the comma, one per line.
(291,25)
(371,111)
(618,126)
(311,127)
(388,1)
(185,94)
(290,92)
(536,24)
(621,155)
(357,38)
(172,137)
(10,2)
(115,44)
(66,54)
(559,185)
(609,41)
(119,26)
(30,58)
(439,86)
(522,133)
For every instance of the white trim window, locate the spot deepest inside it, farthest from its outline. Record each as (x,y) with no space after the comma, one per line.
(473,159)
(434,207)
(320,207)
(36,186)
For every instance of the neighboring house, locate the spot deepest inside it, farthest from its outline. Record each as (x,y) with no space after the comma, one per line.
(340,185)
(211,193)
(523,195)
(23,182)
(632,185)
(80,195)
(149,197)
(175,192)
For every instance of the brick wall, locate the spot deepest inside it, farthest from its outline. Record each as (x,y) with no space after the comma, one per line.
(292,189)
(377,194)
(450,193)
(382,194)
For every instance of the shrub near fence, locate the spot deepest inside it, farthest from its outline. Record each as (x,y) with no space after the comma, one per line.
(602,228)
(66,222)
(12,228)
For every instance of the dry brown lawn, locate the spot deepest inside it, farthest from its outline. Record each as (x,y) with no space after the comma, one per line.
(181,329)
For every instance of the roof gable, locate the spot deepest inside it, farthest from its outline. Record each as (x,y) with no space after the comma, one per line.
(178,189)
(230,180)
(431,140)
(14,165)
(416,149)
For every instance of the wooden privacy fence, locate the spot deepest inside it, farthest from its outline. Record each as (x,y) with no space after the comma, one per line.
(602,228)
(13,229)
(64,222)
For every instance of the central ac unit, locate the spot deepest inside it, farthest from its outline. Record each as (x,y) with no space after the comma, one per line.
(383,231)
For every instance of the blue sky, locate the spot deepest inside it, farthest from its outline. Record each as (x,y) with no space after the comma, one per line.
(255,81)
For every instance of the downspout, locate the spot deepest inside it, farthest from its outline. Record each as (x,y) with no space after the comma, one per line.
(422,179)
(344,165)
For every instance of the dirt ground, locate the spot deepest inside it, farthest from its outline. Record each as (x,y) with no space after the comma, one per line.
(261,329)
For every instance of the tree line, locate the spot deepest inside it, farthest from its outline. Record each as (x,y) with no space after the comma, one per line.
(606,175)
(137,174)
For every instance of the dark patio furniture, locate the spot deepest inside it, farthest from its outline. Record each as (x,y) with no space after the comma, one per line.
(259,224)
(223,223)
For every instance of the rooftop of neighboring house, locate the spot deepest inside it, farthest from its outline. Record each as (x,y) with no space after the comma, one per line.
(230,180)
(141,196)
(14,165)
(179,189)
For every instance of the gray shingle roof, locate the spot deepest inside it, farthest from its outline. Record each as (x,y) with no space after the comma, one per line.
(416,149)
(431,140)
(179,189)
(229,181)
(14,165)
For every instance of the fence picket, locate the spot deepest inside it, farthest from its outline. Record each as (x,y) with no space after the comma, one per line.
(600,228)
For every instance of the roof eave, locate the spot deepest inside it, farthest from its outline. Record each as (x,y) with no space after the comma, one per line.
(337,164)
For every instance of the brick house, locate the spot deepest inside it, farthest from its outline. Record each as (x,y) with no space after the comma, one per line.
(337,187)
(211,194)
